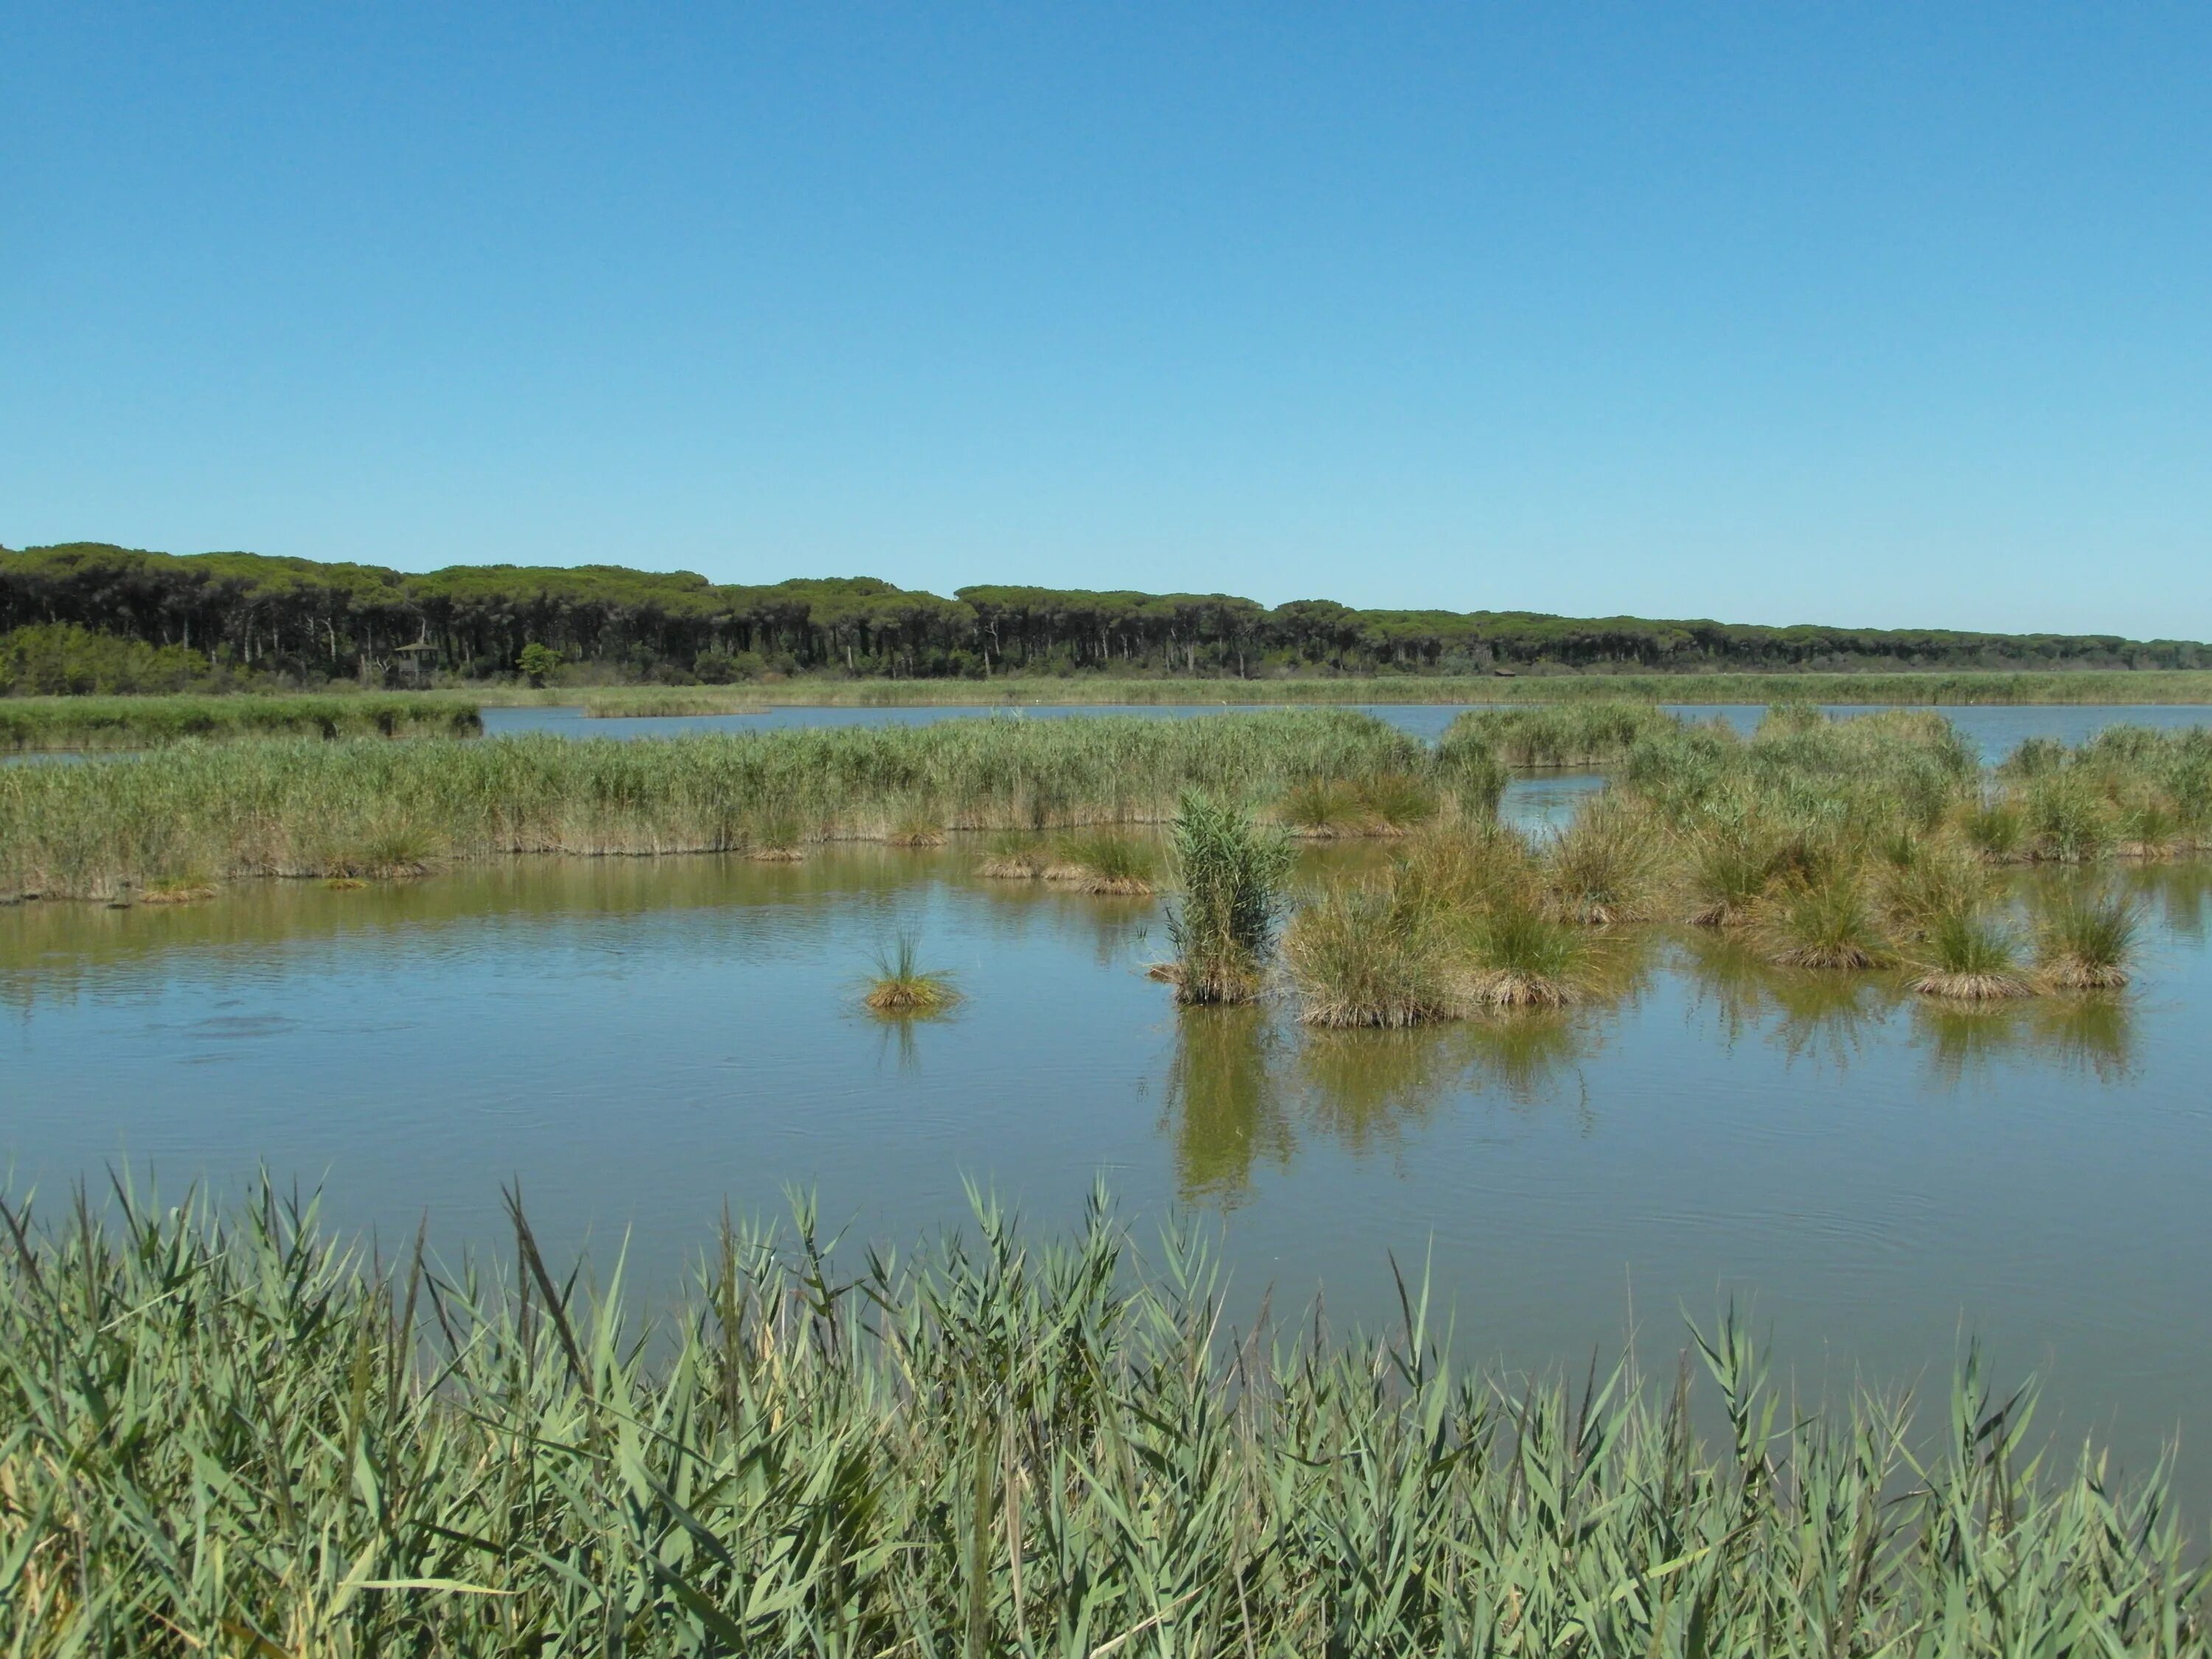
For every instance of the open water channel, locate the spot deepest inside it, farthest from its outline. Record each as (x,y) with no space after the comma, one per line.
(643,1043)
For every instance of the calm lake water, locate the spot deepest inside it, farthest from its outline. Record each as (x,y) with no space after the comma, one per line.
(644,1042)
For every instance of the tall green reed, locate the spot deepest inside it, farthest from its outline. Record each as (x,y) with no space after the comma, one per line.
(228,1432)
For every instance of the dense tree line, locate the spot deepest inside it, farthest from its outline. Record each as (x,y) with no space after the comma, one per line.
(245,614)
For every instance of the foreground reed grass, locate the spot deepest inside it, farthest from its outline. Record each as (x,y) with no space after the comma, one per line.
(228,1434)
(277,808)
(31,723)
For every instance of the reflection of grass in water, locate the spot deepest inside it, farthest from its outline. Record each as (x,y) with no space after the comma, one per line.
(1222,1107)
(2091,1035)
(1806,1013)
(1363,1086)
(1526,1056)
(2180,894)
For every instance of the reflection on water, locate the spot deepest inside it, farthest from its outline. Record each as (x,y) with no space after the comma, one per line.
(1822,1019)
(1246,1088)
(1223,1113)
(2088,1037)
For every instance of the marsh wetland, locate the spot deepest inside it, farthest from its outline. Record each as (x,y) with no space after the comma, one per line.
(1889,1034)
(642,1041)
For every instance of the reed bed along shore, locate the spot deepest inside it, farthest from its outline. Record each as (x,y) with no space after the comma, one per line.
(203,812)
(648,703)
(46,723)
(2119,686)
(229,1434)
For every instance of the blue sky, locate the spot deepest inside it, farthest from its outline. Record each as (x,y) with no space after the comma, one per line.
(1881,315)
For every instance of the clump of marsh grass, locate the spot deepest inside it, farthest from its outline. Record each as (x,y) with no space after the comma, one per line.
(296,806)
(1730,862)
(1467,766)
(1396,802)
(650,704)
(1014,855)
(2147,826)
(1994,828)
(1603,868)
(1104,862)
(1827,922)
(1523,959)
(1466,867)
(2068,821)
(1232,875)
(775,838)
(1936,880)
(2086,942)
(1968,958)
(398,847)
(177,889)
(915,828)
(1564,733)
(1370,954)
(1320,808)
(902,986)
(151,722)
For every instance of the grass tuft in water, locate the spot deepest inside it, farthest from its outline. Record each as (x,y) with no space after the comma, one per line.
(1968,958)
(902,986)
(1231,874)
(1523,959)
(1828,922)
(1014,855)
(1102,861)
(2088,942)
(1370,954)
(1604,867)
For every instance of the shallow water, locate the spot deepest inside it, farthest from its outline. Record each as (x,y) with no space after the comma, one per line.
(641,1042)
(1996,730)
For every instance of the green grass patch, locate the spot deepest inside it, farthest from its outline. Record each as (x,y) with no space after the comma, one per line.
(35,723)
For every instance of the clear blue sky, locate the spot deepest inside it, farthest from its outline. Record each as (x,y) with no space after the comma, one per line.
(1885,314)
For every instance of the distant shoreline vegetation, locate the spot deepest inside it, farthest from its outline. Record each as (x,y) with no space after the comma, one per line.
(88,617)
(117,721)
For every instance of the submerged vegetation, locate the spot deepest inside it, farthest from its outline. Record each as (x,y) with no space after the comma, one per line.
(228,1433)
